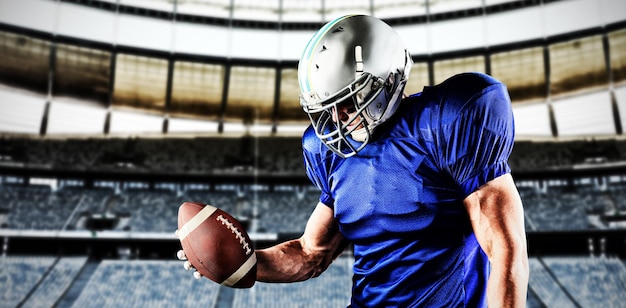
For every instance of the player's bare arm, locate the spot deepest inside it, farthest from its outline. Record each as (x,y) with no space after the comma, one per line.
(305,257)
(497,217)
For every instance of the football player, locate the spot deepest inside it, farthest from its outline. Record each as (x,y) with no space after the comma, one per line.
(419,184)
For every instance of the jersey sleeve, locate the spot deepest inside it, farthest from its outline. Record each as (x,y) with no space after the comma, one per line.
(477,142)
(316,166)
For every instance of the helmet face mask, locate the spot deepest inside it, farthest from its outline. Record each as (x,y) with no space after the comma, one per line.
(356,63)
(329,125)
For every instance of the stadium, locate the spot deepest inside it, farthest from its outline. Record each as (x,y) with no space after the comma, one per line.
(114,112)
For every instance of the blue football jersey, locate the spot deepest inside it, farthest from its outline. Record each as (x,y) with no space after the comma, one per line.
(400,200)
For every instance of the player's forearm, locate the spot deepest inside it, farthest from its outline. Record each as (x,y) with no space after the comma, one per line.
(286,262)
(306,257)
(508,281)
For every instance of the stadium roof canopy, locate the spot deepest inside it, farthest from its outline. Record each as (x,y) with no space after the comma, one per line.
(134,67)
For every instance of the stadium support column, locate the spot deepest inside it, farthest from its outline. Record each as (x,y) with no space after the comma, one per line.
(168,94)
(609,72)
(616,114)
(487,55)
(51,68)
(112,65)
(227,67)
(277,81)
(431,61)
(546,66)
(278,77)
(220,128)
(170,73)
(44,119)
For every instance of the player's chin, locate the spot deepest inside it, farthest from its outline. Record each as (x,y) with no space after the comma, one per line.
(354,126)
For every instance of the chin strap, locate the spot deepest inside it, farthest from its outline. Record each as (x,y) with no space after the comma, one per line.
(360,134)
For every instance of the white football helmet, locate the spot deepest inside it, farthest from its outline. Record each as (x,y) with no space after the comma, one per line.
(357,63)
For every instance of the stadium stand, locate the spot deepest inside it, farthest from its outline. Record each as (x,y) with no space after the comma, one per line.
(554,211)
(618,195)
(592,282)
(39,207)
(42,281)
(229,201)
(149,211)
(145,283)
(546,287)
(285,212)
(331,289)
(247,154)
(19,275)
(532,301)
(56,282)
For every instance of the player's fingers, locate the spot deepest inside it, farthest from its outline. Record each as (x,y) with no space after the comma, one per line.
(187,265)
(197,275)
(176,233)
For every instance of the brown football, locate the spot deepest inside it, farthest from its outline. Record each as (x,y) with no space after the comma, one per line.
(217,245)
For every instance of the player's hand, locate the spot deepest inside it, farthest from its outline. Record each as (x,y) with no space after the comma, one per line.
(187,265)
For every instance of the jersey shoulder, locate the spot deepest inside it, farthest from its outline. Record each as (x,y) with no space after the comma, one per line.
(469,92)
(464,86)
(311,143)
(316,154)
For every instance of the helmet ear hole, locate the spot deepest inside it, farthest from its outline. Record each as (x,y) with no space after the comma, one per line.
(377,107)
